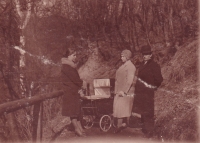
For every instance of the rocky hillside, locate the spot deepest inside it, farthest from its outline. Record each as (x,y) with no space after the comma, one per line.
(97,67)
(176,100)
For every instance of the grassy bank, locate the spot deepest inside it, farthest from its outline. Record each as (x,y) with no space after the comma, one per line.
(176,101)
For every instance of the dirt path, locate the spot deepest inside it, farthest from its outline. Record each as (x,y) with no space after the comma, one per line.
(94,135)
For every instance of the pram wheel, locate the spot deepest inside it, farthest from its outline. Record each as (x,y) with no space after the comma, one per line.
(105,123)
(87,121)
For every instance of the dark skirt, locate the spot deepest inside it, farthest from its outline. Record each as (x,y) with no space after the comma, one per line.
(71,104)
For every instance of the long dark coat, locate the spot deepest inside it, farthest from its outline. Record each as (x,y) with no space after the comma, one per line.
(71,85)
(148,80)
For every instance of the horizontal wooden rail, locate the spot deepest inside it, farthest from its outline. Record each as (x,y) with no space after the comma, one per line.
(21,103)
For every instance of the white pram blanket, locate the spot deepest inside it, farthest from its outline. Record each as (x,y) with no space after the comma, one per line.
(101,89)
(101,82)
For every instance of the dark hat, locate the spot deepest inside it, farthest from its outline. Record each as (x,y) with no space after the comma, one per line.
(146,50)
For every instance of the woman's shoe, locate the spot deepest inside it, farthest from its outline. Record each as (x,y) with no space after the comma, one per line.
(79,134)
(118,130)
(84,132)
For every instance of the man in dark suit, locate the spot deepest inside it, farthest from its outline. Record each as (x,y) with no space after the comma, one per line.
(148,80)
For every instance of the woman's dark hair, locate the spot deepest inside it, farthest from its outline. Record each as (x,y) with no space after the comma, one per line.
(69,52)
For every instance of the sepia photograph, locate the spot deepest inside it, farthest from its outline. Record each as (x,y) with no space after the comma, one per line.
(99,71)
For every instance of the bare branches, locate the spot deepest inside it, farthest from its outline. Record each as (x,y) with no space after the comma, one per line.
(23,15)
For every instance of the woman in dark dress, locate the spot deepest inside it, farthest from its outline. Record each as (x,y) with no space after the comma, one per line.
(72,85)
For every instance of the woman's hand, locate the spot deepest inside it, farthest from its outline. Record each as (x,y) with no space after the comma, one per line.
(81,92)
(121,94)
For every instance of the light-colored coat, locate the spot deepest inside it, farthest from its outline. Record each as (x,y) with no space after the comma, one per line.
(124,81)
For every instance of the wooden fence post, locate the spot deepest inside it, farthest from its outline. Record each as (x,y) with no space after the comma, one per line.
(41,121)
(36,111)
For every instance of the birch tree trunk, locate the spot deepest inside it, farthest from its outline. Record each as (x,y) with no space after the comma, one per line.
(23,17)
(14,132)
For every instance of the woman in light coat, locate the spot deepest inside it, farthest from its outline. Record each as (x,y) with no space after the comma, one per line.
(124,89)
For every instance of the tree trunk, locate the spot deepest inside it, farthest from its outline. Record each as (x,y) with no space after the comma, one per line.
(166,38)
(36,111)
(13,129)
(135,35)
(23,18)
(171,23)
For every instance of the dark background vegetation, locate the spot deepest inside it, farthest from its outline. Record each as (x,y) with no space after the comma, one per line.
(99,29)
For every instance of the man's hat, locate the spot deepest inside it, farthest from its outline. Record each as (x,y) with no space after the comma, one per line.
(146,50)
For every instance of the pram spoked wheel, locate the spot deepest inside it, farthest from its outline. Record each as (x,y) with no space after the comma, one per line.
(105,123)
(87,121)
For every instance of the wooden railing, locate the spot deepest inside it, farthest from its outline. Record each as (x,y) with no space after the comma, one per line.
(37,101)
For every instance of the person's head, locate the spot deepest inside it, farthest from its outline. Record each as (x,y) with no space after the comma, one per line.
(146,52)
(70,54)
(126,55)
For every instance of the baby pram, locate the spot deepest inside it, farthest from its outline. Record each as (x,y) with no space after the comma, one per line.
(98,107)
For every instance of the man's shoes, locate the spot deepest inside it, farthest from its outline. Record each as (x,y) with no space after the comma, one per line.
(117,130)
(135,122)
(148,135)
